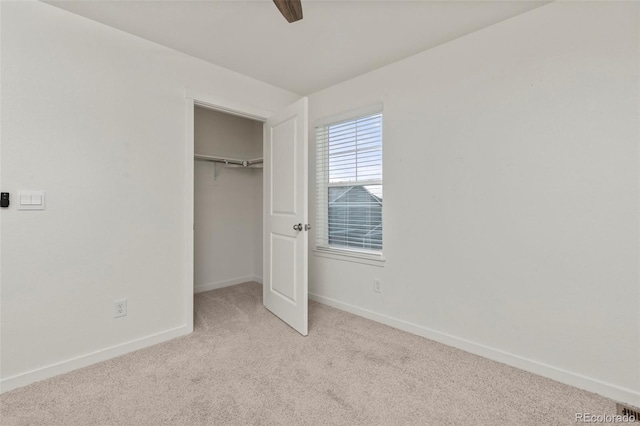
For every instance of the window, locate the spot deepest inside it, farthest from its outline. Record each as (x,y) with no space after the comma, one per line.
(349,184)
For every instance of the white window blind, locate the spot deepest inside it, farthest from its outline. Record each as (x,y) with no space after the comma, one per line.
(349,184)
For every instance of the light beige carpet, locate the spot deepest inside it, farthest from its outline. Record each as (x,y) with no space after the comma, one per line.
(243,366)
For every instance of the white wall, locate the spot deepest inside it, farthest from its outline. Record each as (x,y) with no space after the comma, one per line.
(96,118)
(226,226)
(511,195)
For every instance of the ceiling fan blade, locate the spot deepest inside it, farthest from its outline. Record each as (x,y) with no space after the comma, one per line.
(290,9)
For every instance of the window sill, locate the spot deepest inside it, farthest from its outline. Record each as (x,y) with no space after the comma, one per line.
(372,259)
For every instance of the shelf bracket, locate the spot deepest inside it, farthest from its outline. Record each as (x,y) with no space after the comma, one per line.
(216,168)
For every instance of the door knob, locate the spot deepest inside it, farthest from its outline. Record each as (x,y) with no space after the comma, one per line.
(297,227)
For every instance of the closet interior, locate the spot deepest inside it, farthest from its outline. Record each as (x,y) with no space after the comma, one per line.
(227,199)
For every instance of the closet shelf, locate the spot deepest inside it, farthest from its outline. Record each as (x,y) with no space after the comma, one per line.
(250,166)
(229,161)
(256,163)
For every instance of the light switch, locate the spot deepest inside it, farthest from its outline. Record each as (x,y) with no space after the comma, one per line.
(31,200)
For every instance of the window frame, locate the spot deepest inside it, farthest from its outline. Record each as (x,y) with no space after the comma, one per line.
(346,253)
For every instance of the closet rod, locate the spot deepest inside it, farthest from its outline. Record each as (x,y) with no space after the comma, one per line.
(234,161)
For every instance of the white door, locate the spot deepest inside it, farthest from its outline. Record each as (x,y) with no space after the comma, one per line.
(285,290)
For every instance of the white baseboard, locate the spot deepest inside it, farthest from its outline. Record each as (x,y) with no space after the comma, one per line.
(227,283)
(42,373)
(617,393)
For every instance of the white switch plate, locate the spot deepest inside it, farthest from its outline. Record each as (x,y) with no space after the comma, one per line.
(30,200)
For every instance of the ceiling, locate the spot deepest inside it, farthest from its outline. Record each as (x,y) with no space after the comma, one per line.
(335,41)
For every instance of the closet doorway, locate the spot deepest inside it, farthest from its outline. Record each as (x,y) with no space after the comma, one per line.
(247,203)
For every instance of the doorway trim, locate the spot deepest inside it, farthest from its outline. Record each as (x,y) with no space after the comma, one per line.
(193,99)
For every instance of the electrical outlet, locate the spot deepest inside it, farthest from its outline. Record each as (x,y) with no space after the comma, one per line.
(377,286)
(119,308)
